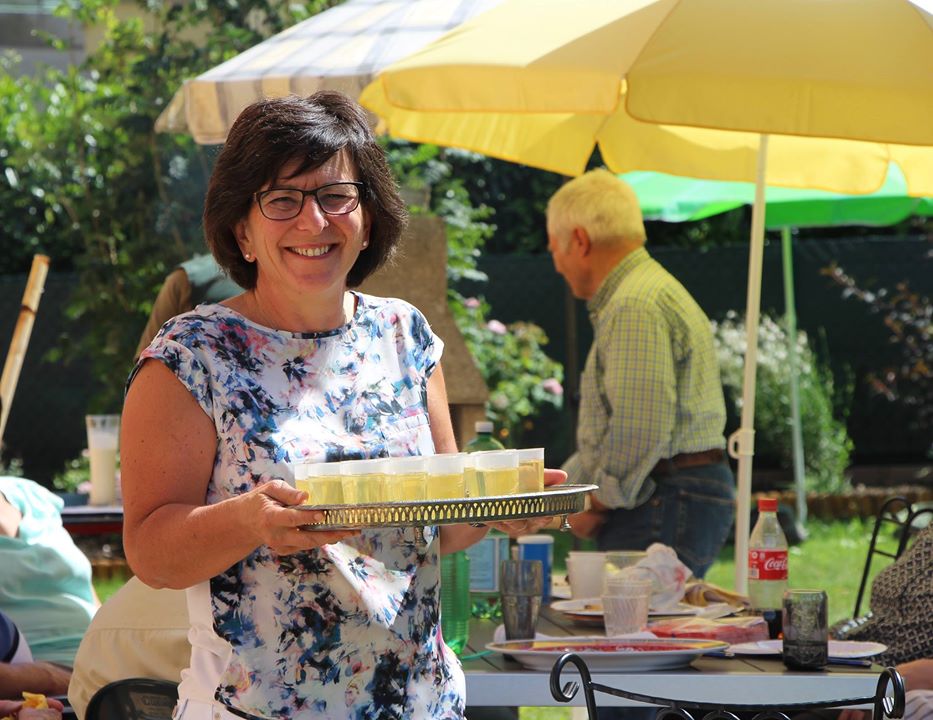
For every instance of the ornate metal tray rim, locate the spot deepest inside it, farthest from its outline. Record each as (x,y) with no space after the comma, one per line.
(555,500)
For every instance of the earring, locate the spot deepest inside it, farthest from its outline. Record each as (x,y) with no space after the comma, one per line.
(248,257)
(365,244)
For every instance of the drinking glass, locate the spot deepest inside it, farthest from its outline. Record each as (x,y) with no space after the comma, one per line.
(531,470)
(806,635)
(103,434)
(521,584)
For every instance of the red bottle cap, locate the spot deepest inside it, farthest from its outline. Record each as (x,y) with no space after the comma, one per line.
(767,504)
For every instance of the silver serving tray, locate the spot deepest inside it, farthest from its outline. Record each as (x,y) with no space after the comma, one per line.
(556,500)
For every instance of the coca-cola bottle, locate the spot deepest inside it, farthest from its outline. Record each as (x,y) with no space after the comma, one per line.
(767,565)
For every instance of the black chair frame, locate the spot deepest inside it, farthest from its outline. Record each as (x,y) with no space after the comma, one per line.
(888,700)
(126,700)
(901,514)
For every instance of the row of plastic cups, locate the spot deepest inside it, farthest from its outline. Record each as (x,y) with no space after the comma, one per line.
(419,478)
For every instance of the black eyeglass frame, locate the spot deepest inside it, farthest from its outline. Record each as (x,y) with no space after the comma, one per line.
(361,186)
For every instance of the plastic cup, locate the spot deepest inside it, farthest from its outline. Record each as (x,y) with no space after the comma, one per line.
(628,612)
(405,479)
(497,472)
(321,481)
(469,475)
(585,573)
(618,560)
(363,481)
(531,470)
(445,476)
(103,437)
(539,547)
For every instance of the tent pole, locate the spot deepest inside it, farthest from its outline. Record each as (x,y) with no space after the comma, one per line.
(790,314)
(742,441)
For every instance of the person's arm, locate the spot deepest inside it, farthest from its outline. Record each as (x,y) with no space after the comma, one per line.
(172,539)
(36,677)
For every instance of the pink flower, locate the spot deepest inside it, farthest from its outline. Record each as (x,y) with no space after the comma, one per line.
(471,303)
(553,386)
(496,327)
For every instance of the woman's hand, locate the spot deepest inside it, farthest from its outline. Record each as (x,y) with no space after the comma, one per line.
(529,526)
(271,508)
(554,476)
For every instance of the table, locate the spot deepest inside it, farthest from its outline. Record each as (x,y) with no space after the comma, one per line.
(92,519)
(493,680)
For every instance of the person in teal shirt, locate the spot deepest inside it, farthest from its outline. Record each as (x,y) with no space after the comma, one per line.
(45,585)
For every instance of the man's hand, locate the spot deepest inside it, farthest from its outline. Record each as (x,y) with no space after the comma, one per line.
(586,524)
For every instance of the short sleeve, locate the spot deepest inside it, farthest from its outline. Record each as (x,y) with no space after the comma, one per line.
(186,364)
(427,347)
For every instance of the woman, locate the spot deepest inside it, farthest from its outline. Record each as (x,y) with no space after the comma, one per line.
(285,622)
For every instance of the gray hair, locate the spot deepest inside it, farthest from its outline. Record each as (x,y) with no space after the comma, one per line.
(602,204)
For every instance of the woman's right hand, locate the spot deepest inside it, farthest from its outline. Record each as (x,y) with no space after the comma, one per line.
(271,509)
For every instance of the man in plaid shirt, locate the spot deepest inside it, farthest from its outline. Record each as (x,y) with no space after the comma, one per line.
(650,430)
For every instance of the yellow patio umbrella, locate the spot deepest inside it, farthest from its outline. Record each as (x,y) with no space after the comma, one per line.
(844,87)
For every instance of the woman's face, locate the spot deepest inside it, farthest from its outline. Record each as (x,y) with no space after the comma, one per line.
(312,252)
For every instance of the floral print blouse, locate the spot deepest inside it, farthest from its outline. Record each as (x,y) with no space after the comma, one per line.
(352,629)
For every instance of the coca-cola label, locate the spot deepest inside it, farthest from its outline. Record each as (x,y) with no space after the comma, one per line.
(767,564)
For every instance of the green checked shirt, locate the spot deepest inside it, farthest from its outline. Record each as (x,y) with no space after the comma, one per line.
(651,386)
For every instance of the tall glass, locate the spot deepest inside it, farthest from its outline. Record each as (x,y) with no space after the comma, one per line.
(521,585)
(806,635)
(103,435)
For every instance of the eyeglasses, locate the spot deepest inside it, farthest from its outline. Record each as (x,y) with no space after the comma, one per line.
(339,198)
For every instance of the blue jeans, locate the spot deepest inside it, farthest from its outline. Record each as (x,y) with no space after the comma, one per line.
(691,510)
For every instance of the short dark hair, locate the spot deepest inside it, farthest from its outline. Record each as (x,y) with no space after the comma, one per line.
(270,134)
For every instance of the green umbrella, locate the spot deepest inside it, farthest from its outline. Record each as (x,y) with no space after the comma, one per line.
(678,199)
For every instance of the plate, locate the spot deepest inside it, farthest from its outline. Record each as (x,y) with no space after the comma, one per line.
(608,654)
(844,649)
(593,608)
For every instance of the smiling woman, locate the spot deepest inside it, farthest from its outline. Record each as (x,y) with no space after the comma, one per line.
(298,368)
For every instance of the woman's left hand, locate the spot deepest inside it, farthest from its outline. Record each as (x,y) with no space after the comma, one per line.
(528,526)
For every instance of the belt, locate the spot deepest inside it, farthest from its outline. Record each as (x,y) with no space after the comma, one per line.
(668,466)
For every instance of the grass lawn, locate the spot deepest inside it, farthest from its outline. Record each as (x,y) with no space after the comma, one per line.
(831,559)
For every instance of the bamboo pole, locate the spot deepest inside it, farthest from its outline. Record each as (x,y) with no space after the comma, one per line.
(21,333)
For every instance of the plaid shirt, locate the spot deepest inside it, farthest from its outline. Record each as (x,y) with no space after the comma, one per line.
(651,386)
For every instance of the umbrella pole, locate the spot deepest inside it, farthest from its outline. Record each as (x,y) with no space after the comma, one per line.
(790,313)
(17,352)
(742,441)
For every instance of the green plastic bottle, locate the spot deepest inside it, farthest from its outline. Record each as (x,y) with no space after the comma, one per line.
(484,439)
(455,600)
(488,552)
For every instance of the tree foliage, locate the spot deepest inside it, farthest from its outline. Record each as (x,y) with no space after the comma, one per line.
(88,181)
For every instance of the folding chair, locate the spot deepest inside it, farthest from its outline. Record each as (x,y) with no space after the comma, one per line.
(133,699)
(898,512)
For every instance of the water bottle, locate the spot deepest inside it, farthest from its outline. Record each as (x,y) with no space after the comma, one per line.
(455,600)
(767,565)
(487,553)
(484,439)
